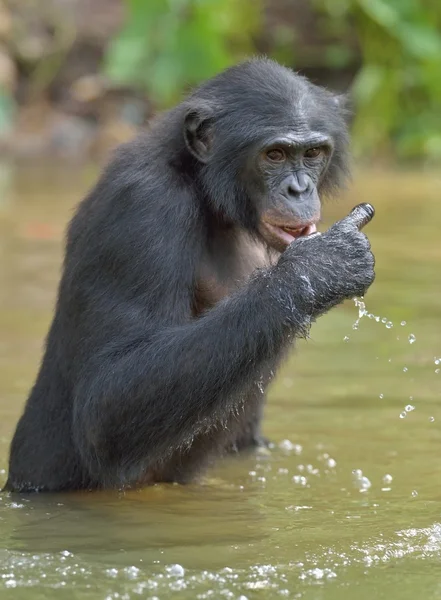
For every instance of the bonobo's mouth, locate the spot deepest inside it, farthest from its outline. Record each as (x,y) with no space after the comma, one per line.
(283,235)
(289,234)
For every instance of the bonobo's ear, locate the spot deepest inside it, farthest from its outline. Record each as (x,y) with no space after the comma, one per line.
(198,132)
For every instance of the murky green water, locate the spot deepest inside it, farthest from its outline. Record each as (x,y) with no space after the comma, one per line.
(294,524)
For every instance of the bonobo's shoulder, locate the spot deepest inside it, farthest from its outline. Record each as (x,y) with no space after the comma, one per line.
(136,189)
(134,210)
(133,157)
(134,166)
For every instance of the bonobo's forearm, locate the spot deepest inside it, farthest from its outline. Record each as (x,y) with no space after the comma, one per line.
(154,392)
(168,385)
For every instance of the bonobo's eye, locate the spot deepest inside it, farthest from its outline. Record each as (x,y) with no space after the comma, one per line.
(313,152)
(276,155)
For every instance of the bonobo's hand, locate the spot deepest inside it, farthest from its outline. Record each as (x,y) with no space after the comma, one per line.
(332,266)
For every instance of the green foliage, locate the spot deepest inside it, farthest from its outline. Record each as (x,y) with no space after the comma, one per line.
(167,45)
(7,110)
(398,89)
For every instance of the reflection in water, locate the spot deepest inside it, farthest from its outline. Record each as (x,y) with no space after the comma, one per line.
(346,504)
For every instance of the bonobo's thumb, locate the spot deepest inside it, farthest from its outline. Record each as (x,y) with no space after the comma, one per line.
(359,216)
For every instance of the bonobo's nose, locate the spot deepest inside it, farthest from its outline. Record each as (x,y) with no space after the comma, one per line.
(297,184)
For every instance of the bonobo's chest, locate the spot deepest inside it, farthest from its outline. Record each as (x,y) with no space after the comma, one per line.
(228,263)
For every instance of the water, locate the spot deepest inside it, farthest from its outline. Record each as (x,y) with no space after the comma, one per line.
(292,523)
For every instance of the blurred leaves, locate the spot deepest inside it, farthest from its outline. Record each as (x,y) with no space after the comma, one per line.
(398,88)
(389,49)
(7,110)
(167,45)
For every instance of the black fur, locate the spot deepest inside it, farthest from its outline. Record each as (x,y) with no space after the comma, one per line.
(138,384)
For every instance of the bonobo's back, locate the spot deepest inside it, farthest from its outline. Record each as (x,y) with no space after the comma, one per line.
(42,454)
(112,281)
(105,286)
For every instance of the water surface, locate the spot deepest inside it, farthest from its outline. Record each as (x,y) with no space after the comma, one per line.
(295,523)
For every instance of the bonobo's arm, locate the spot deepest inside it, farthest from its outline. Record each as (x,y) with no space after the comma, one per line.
(137,402)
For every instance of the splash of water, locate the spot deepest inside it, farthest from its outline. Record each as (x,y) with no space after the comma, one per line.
(363,312)
(360,481)
(411,339)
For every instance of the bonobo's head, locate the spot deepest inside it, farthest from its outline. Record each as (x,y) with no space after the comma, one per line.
(266,144)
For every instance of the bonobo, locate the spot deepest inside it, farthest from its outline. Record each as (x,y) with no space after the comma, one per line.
(189,270)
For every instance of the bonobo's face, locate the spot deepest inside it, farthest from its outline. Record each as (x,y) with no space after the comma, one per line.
(290,168)
(268,142)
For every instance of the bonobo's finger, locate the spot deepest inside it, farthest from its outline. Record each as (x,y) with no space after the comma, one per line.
(361,215)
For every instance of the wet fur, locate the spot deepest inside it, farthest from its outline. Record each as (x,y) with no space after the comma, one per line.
(172,313)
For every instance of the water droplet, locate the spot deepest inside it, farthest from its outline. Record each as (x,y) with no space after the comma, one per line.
(437,371)
(361,307)
(331,463)
(365,483)
(300,480)
(370,316)
(288,446)
(112,572)
(403,415)
(389,325)
(437,361)
(431,419)
(387,479)
(411,338)
(355,325)
(403,323)
(409,408)
(175,570)
(381,396)
(384,320)
(414,494)
(377,319)
(132,572)
(346,338)
(360,480)
(405,369)
(10,583)
(357,473)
